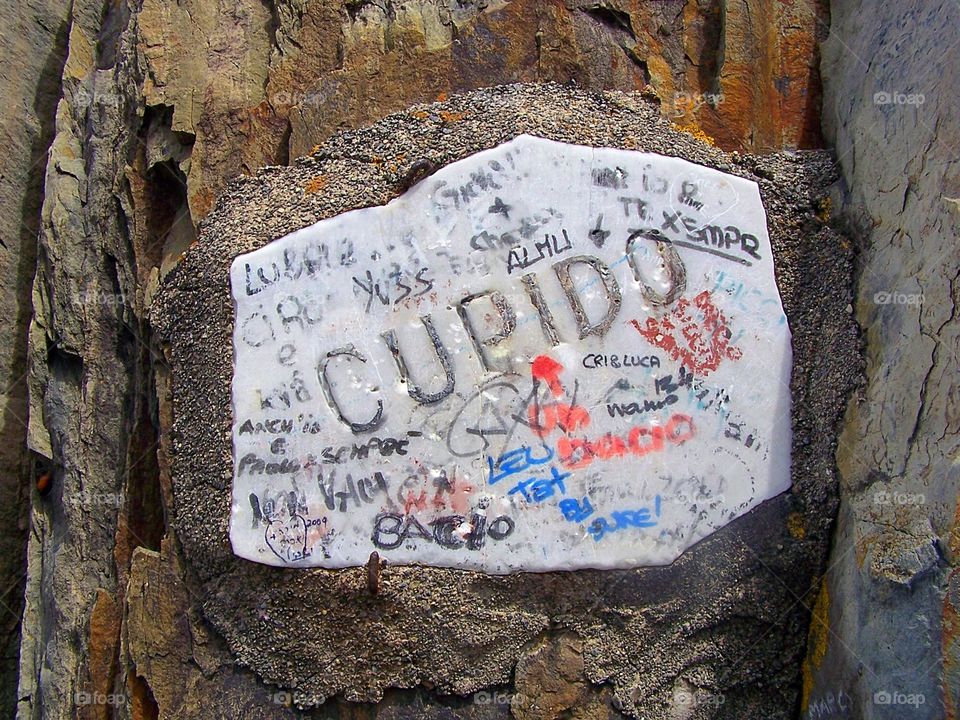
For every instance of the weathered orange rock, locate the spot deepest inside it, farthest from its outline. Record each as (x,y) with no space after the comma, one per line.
(103,659)
(178,668)
(550,679)
(746,76)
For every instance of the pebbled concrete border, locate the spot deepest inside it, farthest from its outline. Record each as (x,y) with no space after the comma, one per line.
(728,618)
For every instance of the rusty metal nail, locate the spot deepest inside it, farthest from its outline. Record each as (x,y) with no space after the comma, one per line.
(373,573)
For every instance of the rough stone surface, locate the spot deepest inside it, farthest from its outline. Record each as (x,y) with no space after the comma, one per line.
(744,75)
(163,635)
(244,84)
(31,58)
(550,681)
(161,105)
(704,622)
(890,626)
(90,413)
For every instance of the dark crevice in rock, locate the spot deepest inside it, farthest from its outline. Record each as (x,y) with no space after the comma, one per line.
(355,7)
(159,141)
(142,698)
(283,152)
(711,48)
(65,366)
(171,226)
(617,25)
(116,17)
(611,17)
(168,223)
(639,62)
(274,26)
(145,511)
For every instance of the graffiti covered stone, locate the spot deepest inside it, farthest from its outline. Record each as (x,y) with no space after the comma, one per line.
(541,357)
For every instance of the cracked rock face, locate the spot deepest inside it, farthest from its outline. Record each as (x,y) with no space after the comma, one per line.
(649,635)
(148,109)
(31,54)
(250,85)
(890,631)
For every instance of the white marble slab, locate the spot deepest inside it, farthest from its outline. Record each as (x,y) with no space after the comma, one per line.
(611,383)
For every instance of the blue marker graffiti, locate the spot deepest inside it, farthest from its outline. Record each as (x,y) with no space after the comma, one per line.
(623,519)
(576,510)
(515,461)
(536,489)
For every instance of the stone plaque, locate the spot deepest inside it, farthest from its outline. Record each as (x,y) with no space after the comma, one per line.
(541,357)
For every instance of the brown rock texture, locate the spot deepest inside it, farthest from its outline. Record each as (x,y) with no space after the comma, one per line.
(550,681)
(244,85)
(129,118)
(178,670)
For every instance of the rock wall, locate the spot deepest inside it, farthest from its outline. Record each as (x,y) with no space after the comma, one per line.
(31,62)
(160,104)
(884,640)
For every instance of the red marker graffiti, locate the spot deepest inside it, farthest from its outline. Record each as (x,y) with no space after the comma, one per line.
(544,419)
(547,369)
(579,452)
(697,335)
